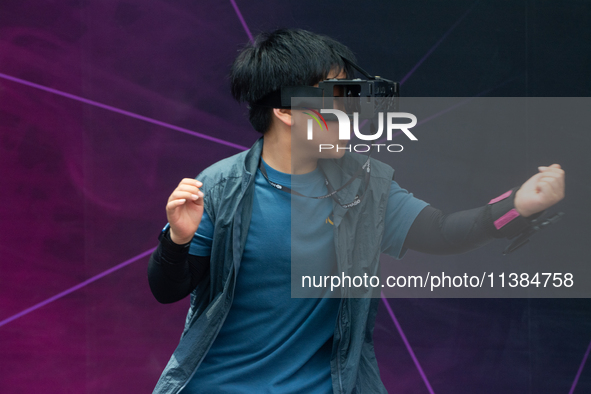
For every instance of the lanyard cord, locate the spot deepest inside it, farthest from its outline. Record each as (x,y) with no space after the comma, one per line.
(365,169)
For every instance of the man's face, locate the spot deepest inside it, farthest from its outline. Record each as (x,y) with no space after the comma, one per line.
(302,146)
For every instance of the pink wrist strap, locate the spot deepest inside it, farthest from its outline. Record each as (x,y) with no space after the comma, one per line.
(506,218)
(501,197)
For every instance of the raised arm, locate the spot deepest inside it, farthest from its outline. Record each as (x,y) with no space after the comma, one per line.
(505,216)
(172,272)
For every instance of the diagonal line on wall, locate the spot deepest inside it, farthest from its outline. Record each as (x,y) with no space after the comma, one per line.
(436,44)
(78,286)
(407,344)
(572,389)
(442,112)
(121,111)
(242,21)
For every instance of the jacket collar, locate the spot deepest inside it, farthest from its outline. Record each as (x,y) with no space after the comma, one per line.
(253,156)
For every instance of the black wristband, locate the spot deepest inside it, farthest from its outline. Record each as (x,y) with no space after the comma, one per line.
(171,252)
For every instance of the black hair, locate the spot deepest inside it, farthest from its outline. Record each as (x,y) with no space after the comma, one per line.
(284,57)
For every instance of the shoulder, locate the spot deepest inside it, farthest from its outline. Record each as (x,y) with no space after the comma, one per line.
(223,180)
(233,167)
(220,171)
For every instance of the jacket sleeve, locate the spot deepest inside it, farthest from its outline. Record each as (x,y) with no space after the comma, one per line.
(173,273)
(436,233)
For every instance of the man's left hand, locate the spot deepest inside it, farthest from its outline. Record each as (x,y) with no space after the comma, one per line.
(541,191)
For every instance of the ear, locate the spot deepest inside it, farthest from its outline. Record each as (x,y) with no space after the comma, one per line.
(283,115)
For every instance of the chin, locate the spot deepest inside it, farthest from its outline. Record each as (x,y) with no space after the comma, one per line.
(339,154)
(332,154)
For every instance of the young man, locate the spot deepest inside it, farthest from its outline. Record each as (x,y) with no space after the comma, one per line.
(229,233)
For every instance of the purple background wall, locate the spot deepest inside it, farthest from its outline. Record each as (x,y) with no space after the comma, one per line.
(83,188)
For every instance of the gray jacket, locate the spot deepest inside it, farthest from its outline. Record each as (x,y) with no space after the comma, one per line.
(229,187)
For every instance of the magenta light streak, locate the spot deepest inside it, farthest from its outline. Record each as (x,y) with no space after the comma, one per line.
(436,45)
(78,286)
(244,25)
(572,389)
(122,112)
(412,353)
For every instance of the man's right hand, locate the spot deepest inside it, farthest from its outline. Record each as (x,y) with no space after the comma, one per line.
(184,210)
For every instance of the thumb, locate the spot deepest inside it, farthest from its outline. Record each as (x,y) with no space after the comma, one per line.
(543,168)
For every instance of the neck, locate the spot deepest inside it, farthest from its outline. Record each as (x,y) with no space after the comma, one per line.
(278,154)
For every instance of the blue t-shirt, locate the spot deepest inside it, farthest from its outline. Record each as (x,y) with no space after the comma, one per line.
(270,342)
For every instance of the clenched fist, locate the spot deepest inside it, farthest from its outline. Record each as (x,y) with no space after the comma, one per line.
(541,191)
(184,210)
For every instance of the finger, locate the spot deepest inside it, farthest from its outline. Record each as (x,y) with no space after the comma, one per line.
(190,181)
(550,179)
(552,166)
(553,169)
(190,188)
(175,203)
(556,185)
(551,174)
(551,189)
(178,194)
(553,185)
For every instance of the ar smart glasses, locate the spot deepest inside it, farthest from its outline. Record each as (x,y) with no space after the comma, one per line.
(356,95)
